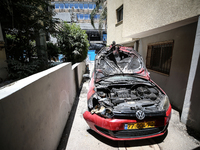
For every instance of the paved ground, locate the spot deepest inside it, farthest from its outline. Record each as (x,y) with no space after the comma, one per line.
(81,137)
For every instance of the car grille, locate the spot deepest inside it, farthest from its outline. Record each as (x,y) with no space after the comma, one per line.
(133,115)
(131,133)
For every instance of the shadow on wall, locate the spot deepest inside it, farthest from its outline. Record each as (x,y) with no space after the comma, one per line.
(68,126)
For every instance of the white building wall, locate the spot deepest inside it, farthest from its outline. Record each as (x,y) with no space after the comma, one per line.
(144,18)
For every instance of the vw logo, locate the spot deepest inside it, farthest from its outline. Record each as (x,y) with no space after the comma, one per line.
(140,114)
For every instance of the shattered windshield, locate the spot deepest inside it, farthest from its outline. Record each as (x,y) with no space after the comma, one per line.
(117,61)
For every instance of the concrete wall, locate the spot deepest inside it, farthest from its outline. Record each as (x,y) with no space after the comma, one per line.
(34,110)
(141,16)
(174,84)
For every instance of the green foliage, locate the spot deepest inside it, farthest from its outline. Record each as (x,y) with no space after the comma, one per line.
(22,21)
(53,50)
(27,17)
(73,42)
(18,70)
(19,48)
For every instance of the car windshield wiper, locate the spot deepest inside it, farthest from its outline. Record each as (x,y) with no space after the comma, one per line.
(105,82)
(121,81)
(116,82)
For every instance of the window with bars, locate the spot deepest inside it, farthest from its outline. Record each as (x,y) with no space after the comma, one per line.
(159,56)
(120,13)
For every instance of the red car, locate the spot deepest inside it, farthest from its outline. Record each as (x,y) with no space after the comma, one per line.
(123,102)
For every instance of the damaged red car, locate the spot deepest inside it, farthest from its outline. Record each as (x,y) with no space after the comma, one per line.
(123,102)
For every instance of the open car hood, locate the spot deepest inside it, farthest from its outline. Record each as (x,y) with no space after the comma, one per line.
(118,60)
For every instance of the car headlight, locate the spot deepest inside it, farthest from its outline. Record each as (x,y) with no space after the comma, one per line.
(165,103)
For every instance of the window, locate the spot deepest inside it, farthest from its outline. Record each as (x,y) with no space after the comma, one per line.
(85,6)
(81,16)
(78,16)
(62,6)
(120,14)
(57,6)
(87,17)
(91,6)
(97,16)
(76,5)
(80,6)
(71,5)
(159,56)
(66,5)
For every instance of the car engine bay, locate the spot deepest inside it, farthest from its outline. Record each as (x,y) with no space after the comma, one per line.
(124,100)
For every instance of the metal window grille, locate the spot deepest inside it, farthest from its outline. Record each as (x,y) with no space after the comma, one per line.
(159,56)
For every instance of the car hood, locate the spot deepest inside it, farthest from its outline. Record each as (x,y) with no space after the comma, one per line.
(118,60)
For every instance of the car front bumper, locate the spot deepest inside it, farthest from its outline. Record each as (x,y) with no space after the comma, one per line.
(114,129)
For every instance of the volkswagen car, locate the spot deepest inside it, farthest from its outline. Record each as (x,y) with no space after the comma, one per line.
(123,102)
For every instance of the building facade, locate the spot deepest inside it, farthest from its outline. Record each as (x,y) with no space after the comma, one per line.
(78,11)
(167,35)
